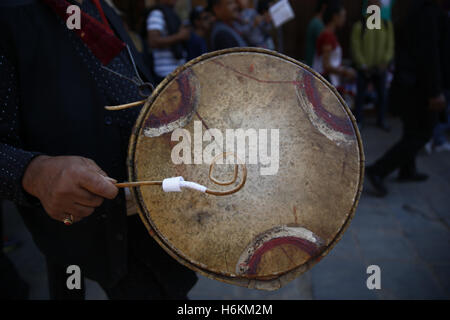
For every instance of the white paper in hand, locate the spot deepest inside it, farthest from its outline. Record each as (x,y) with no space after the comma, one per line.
(281,12)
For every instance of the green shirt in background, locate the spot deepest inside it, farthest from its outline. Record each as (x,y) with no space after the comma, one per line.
(375,47)
(315,27)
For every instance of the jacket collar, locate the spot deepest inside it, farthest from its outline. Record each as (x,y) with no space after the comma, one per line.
(118,27)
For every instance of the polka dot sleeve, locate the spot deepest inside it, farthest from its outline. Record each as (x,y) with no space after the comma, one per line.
(13,160)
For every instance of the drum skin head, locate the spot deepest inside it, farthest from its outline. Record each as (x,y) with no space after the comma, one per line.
(279,224)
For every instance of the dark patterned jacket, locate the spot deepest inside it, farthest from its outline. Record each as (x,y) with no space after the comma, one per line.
(52,97)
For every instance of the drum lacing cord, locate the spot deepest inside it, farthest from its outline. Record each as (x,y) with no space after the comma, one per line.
(125,106)
(176,184)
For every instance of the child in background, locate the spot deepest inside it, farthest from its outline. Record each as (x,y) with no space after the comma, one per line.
(328,57)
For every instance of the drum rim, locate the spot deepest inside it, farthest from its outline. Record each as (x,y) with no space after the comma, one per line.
(282,278)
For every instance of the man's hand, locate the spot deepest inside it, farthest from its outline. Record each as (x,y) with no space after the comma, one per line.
(437,103)
(157,41)
(68,185)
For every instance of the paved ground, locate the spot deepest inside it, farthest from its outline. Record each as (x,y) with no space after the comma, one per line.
(406,234)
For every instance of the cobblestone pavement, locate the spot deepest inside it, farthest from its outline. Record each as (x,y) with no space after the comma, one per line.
(406,234)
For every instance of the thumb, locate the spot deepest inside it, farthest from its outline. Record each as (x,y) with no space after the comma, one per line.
(114,181)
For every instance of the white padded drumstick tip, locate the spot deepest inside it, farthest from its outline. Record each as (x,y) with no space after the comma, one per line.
(172,184)
(176,183)
(193,186)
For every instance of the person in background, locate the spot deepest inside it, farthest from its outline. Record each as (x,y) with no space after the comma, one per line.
(167,38)
(440,142)
(417,90)
(328,57)
(372,50)
(201,21)
(386,8)
(266,25)
(255,25)
(223,34)
(315,27)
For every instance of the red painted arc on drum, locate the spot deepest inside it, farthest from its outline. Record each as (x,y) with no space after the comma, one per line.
(186,105)
(339,124)
(306,246)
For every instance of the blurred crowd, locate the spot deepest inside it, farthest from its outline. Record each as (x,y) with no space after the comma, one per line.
(399,67)
(169,42)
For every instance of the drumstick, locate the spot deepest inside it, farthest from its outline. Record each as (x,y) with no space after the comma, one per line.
(137,184)
(133,184)
(175,184)
(190,185)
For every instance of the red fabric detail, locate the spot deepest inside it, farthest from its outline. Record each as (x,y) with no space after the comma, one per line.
(98,37)
(326,38)
(102,14)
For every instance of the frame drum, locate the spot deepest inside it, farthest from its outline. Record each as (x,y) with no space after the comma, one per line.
(259,113)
